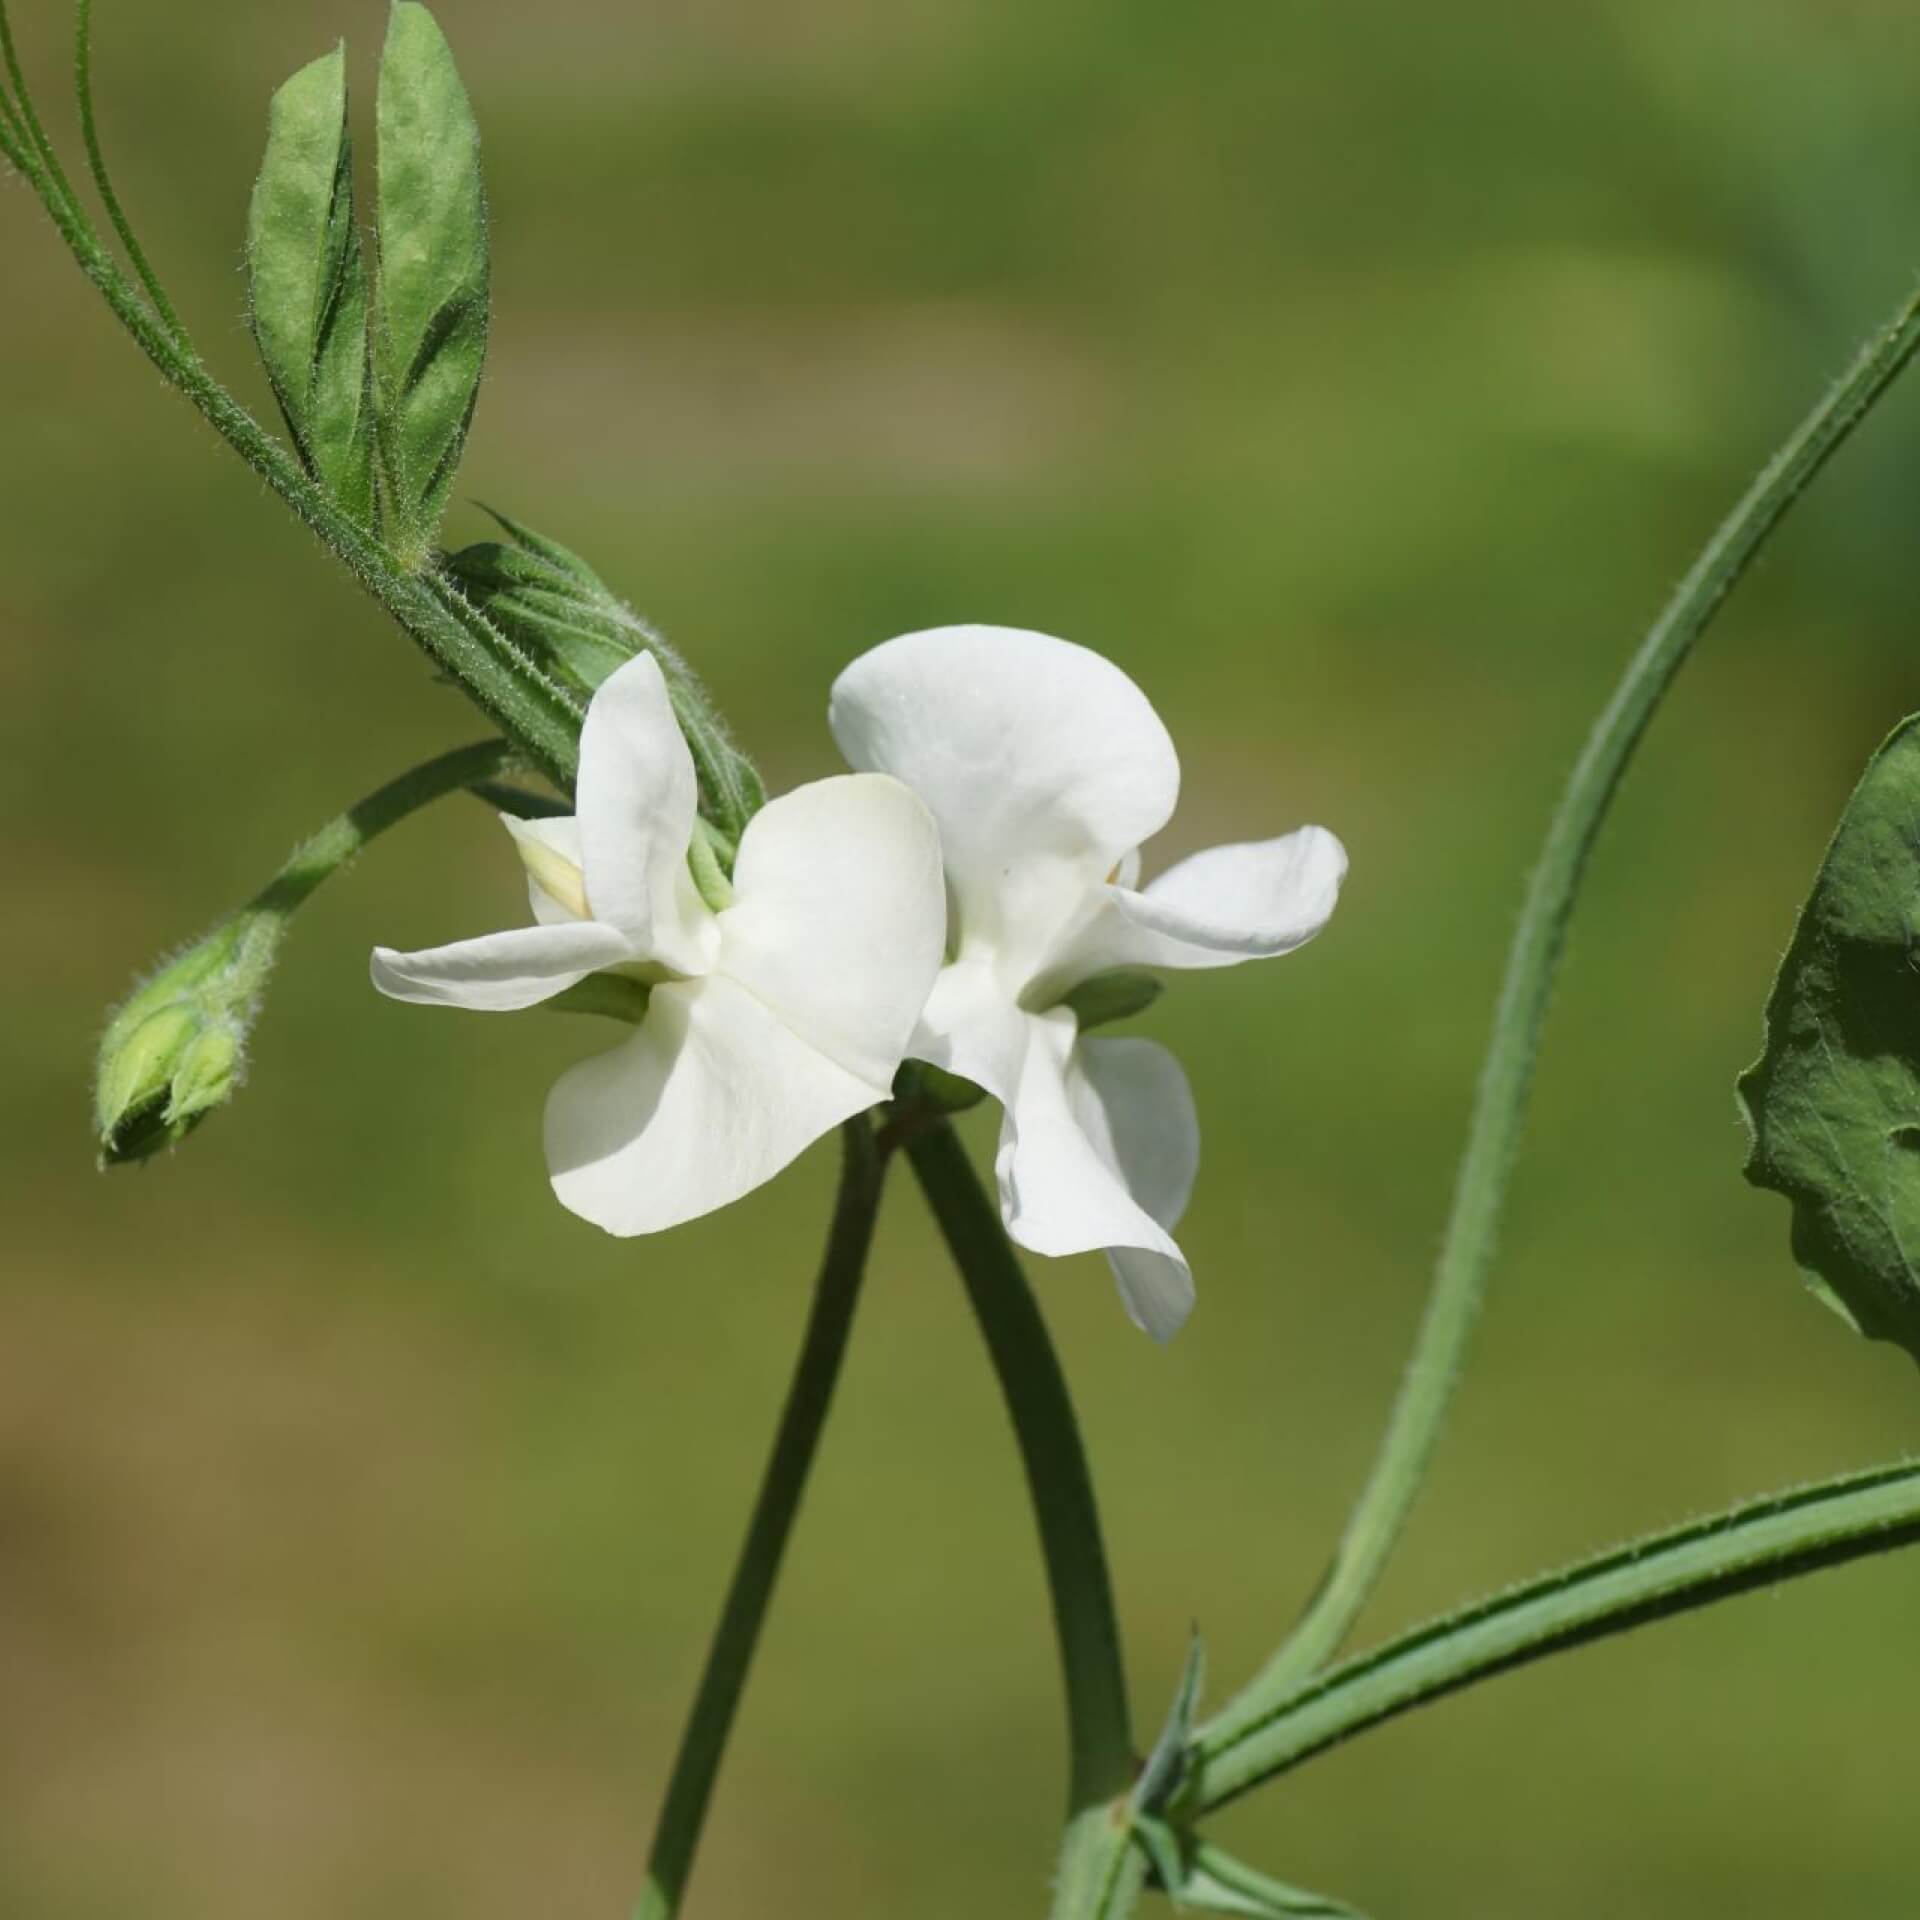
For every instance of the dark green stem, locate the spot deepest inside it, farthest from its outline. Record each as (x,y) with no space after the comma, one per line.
(1758,1545)
(1102,1757)
(815,1375)
(1506,1077)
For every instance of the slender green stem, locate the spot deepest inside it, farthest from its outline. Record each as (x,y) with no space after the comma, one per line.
(505,681)
(261,924)
(171,1052)
(47,176)
(1102,1757)
(325,852)
(1507,1074)
(697,1764)
(1757,1545)
(103,180)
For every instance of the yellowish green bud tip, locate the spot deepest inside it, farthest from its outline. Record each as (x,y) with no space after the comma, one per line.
(176,1050)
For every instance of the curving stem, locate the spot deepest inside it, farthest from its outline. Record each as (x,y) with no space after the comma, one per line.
(1506,1077)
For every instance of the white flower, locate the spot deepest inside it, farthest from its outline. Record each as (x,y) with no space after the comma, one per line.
(1046,768)
(768,1022)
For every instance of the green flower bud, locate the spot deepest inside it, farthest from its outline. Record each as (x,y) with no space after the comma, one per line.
(176,1050)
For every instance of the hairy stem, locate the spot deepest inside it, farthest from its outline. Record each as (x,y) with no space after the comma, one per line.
(1101,1746)
(697,1764)
(326,851)
(1757,1545)
(103,180)
(1507,1073)
(537,712)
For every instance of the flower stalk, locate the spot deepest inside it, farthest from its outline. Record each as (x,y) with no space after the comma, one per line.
(816,1374)
(1101,1752)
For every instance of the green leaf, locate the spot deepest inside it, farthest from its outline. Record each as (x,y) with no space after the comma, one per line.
(307,284)
(1218,1883)
(1834,1102)
(551,602)
(1198,1876)
(430,330)
(1160,1777)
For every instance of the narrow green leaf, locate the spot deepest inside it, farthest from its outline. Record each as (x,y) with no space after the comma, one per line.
(1161,1774)
(1218,1883)
(1200,1877)
(430,332)
(1834,1102)
(551,602)
(307,286)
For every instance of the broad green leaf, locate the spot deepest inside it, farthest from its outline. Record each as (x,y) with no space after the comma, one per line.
(1834,1102)
(307,286)
(430,327)
(549,600)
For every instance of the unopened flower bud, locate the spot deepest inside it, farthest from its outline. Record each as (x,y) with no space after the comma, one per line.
(175,1051)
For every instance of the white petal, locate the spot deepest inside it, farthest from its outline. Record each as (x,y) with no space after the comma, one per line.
(636,797)
(972,1026)
(1062,1190)
(500,972)
(556,881)
(710,1097)
(1042,762)
(1155,1288)
(1134,1101)
(1219,907)
(839,918)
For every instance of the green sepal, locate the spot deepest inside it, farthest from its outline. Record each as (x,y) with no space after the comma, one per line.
(935,1087)
(616,996)
(1117,994)
(1833,1103)
(307,283)
(430,320)
(551,602)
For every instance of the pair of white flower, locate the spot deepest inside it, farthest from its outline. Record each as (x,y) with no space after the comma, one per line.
(940,904)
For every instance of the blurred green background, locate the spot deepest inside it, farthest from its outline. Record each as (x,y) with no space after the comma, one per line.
(1359,378)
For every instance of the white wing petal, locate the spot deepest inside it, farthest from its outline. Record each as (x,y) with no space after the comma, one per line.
(636,797)
(1133,1099)
(710,1097)
(1063,1189)
(501,972)
(1215,909)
